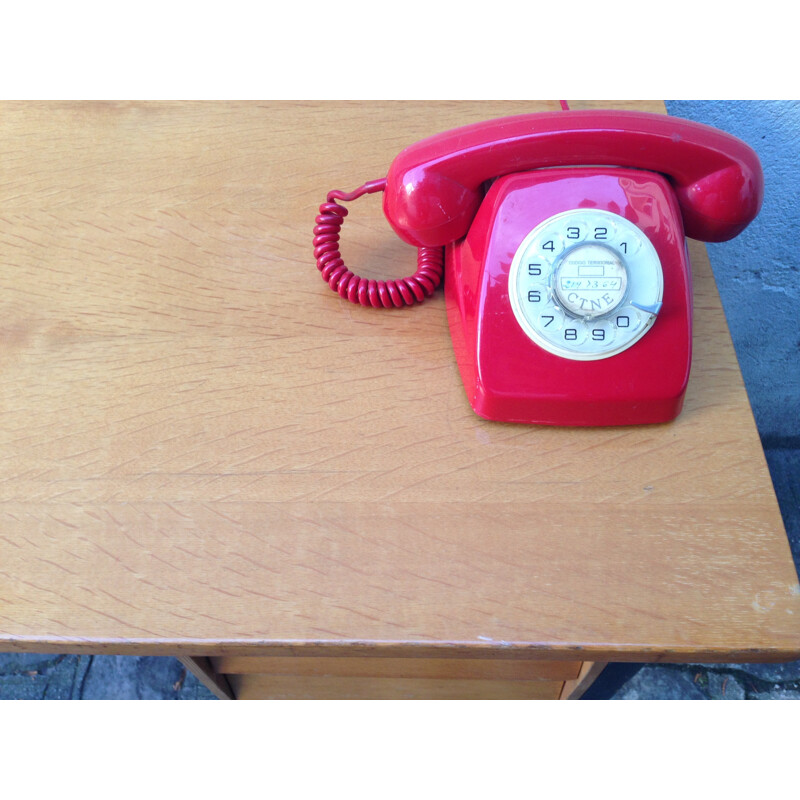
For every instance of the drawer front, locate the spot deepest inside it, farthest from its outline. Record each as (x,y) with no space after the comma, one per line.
(413,668)
(304,687)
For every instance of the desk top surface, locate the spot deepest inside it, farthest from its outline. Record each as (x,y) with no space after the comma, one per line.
(204,450)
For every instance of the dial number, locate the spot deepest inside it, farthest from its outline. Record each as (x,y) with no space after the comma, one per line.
(585,284)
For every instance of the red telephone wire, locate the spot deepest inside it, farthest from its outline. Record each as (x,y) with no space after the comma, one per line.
(378,294)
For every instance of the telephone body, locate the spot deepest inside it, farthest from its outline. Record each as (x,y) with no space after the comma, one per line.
(567,277)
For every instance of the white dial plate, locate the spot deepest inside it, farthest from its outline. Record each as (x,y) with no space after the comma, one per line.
(586,284)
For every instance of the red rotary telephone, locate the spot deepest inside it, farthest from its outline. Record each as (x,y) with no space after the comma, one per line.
(561,234)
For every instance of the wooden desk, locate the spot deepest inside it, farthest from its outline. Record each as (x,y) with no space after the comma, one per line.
(207,454)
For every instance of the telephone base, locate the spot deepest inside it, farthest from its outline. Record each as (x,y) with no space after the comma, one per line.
(566,413)
(508,377)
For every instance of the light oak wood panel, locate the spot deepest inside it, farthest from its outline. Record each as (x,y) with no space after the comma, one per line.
(203,450)
(283,687)
(381,667)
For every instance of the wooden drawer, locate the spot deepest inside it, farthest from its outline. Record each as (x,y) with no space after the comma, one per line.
(379,677)
(416,668)
(304,687)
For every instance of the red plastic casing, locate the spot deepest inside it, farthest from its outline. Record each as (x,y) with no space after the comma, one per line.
(507,376)
(434,187)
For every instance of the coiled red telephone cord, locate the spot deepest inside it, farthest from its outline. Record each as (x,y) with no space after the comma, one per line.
(378,294)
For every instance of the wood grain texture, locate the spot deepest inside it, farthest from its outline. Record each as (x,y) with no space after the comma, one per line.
(283,687)
(204,451)
(375,667)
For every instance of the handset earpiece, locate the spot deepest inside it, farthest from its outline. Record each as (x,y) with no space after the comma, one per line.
(433,187)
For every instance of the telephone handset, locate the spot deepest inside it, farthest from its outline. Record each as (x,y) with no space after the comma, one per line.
(561,235)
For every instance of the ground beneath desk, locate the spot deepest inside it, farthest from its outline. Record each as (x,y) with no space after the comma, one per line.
(25,676)
(697,682)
